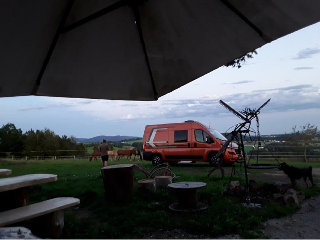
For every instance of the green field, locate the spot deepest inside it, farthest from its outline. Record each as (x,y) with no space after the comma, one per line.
(130,142)
(146,213)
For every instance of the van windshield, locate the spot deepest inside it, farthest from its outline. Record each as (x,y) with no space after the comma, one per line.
(216,134)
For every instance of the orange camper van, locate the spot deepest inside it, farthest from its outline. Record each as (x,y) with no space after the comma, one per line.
(187,141)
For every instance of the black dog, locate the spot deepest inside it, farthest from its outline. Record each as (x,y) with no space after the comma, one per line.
(296,173)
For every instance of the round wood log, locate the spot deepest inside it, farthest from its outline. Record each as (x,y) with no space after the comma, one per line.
(187,194)
(147,185)
(118,182)
(163,181)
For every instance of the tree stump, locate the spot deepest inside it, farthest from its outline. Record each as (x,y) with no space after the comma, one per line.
(163,181)
(147,185)
(118,182)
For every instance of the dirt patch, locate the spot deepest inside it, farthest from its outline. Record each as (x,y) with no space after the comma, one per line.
(275,175)
(270,175)
(195,171)
(301,225)
(174,234)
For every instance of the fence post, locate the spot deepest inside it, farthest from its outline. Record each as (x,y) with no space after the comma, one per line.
(26,158)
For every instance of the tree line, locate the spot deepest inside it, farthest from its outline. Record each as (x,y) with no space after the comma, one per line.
(13,142)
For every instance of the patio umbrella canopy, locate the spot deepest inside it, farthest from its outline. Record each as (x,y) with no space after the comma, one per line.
(132,50)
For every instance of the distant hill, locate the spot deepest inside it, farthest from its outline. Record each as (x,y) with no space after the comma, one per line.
(107,138)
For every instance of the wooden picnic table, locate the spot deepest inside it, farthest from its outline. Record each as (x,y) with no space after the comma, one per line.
(5,172)
(187,196)
(14,191)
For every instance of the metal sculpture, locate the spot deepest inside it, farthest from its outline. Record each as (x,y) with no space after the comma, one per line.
(160,170)
(247,115)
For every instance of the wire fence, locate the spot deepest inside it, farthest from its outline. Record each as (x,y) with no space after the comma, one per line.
(37,155)
(294,153)
(26,158)
(40,155)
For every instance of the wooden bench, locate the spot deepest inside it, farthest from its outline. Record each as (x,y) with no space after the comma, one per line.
(48,216)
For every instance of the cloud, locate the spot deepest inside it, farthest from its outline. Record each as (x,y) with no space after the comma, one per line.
(242,82)
(45,107)
(285,99)
(54,102)
(307,53)
(128,116)
(292,98)
(303,68)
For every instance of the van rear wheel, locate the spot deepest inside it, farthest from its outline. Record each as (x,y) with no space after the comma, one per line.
(214,162)
(157,159)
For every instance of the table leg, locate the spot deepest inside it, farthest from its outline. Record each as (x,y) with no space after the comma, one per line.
(187,198)
(14,199)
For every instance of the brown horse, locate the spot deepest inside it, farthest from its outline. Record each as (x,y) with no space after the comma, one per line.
(112,154)
(139,154)
(128,152)
(94,155)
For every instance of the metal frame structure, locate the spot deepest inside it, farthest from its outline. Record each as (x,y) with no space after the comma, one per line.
(247,116)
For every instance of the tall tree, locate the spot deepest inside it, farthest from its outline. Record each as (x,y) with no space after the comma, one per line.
(303,138)
(11,140)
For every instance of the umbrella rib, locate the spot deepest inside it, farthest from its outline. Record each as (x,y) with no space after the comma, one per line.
(137,19)
(95,15)
(246,20)
(52,47)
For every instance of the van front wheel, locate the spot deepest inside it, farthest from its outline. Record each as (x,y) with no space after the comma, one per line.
(156,160)
(212,161)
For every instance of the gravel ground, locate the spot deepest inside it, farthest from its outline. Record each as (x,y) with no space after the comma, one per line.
(302,225)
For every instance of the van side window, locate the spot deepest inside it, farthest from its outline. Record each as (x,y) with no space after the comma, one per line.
(181,136)
(205,135)
(199,135)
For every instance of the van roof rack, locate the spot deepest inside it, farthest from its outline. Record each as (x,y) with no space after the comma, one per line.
(189,121)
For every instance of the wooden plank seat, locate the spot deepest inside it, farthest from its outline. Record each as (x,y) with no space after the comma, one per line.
(14,191)
(5,172)
(48,216)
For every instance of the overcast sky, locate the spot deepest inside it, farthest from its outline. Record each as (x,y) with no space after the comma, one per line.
(286,70)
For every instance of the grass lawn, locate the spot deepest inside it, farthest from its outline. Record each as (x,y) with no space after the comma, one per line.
(95,218)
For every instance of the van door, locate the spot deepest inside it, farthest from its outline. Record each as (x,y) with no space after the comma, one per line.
(180,145)
(200,147)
